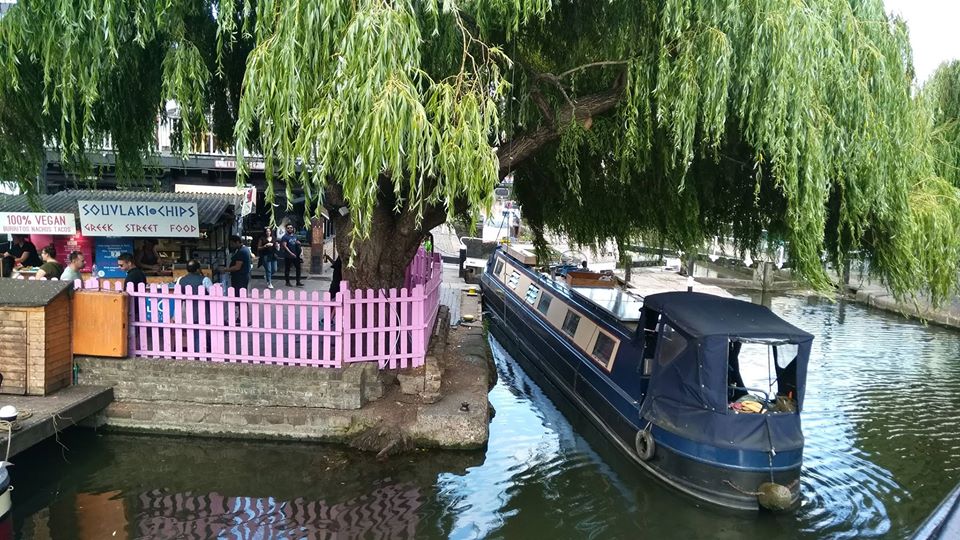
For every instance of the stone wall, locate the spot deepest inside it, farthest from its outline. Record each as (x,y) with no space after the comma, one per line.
(143,379)
(226,400)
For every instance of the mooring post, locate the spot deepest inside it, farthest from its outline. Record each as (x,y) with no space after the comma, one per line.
(766,276)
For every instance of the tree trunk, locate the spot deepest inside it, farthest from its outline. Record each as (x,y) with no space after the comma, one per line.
(380,261)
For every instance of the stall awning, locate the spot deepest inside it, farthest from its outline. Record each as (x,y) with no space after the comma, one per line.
(210,207)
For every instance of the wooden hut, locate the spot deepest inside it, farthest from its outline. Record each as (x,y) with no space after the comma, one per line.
(36,351)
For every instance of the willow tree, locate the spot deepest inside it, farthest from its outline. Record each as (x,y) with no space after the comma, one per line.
(685,118)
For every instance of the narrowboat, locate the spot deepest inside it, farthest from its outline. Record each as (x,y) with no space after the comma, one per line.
(701,391)
(944,522)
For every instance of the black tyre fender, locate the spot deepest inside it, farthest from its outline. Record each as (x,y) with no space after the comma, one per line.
(644,445)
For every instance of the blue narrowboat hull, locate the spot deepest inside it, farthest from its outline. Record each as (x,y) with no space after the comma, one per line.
(725,477)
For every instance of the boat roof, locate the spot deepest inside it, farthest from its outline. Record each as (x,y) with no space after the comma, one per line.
(700,315)
(619,303)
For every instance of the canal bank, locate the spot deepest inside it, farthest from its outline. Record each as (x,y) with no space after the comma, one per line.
(920,308)
(862,290)
(442,404)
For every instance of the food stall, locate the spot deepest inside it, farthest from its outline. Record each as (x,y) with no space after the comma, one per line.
(108,223)
(58,229)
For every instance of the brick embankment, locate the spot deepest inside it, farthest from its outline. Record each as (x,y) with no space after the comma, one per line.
(448,408)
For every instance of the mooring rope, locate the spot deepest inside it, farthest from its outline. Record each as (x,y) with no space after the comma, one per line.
(11,427)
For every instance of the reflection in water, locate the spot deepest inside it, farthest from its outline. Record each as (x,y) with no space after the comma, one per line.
(543,450)
(387,512)
(882,425)
(155,487)
(880,418)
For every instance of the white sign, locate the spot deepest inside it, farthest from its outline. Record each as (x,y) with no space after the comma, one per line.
(249,194)
(249,201)
(194,188)
(37,223)
(232,164)
(150,219)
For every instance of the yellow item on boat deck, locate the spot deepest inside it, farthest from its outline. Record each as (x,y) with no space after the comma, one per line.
(751,407)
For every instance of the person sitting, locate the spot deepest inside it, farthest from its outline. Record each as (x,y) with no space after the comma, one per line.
(146,258)
(192,282)
(583,266)
(21,253)
(194,279)
(50,269)
(74,266)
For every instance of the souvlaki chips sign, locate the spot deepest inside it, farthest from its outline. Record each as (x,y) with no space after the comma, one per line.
(37,223)
(125,218)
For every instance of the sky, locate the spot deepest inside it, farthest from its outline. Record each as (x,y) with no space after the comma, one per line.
(933,32)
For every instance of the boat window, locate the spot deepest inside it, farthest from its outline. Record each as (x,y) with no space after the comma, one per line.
(498,268)
(603,348)
(671,345)
(570,323)
(532,292)
(544,305)
(514,279)
(761,377)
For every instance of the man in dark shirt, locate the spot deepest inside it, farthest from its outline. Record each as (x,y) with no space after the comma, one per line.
(22,252)
(239,265)
(291,250)
(134,274)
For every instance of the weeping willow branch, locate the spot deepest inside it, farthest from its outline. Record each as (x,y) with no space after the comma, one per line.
(522,147)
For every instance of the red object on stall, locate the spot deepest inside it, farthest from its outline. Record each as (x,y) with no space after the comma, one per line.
(66,244)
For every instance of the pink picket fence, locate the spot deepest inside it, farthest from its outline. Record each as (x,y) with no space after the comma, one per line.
(391,327)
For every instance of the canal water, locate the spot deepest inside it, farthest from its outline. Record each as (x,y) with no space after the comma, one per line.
(882,423)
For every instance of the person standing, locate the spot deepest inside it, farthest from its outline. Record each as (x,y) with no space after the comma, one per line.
(50,269)
(337,266)
(267,253)
(147,258)
(239,265)
(134,274)
(21,253)
(74,266)
(291,249)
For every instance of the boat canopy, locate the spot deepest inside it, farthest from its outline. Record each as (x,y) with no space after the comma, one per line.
(700,315)
(690,379)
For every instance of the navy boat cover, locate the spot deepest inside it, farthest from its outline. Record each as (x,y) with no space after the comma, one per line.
(700,315)
(688,393)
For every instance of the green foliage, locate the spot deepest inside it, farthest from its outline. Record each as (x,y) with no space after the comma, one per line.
(942,98)
(787,119)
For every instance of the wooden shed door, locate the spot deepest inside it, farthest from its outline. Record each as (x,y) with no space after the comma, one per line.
(13,351)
